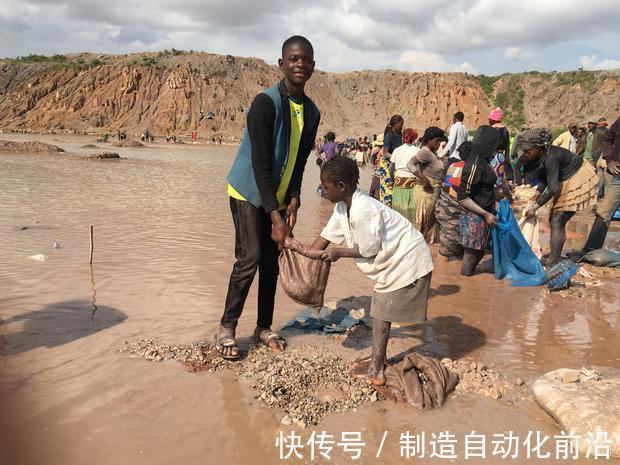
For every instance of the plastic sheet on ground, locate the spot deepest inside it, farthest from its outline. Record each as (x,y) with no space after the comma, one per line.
(558,277)
(512,255)
(327,321)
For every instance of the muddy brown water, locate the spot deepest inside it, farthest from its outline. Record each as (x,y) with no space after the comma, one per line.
(163,254)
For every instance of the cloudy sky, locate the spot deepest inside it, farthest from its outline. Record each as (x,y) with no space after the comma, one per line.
(476,36)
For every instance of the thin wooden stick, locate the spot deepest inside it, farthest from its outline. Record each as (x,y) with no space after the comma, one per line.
(90,260)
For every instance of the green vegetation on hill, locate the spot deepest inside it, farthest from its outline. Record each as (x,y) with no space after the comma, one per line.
(510,95)
(585,79)
(32,58)
(83,62)
(509,99)
(487,82)
(173,52)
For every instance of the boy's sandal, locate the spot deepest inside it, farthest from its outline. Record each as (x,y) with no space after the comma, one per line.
(265,336)
(225,342)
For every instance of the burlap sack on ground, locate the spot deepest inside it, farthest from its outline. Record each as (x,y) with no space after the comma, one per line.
(583,403)
(303,279)
(418,380)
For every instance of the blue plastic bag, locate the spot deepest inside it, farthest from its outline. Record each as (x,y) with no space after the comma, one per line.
(512,255)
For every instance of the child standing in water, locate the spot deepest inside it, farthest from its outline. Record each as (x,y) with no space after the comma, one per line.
(386,248)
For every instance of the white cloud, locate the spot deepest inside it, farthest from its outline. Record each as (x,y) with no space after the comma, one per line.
(416,60)
(456,35)
(591,62)
(517,53)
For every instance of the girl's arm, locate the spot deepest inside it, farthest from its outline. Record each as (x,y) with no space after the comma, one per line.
(314,251)
(319,246)
(320,243)
(334,253)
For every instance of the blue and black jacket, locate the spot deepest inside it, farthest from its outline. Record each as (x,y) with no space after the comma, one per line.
(263,153)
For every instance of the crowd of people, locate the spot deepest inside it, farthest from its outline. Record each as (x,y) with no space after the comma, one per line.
(434,187)
(451,196)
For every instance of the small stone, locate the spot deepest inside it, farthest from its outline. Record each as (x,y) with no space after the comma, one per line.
(570,376)
(519,382)
(495,393)
(473,366)
(286,420)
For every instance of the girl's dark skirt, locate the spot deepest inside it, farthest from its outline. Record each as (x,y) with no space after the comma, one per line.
(405,305)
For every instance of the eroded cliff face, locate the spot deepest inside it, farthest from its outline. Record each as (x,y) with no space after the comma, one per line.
(176,94)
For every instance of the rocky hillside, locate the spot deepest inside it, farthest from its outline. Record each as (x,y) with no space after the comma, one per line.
(178,92)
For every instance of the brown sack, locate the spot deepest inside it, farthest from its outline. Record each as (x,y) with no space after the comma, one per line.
(303,279)
(418,380)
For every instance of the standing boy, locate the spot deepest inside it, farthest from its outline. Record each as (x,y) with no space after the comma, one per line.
(264,186)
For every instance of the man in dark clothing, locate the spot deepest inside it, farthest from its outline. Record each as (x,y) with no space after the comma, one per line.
(582,139)
(264,186)
(610,150)
(600,130)
(599,133)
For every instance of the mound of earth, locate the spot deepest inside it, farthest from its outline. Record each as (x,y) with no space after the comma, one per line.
(193,91)
(129,143)
(31,147)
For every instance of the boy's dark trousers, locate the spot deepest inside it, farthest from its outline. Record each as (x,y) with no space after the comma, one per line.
(254,249)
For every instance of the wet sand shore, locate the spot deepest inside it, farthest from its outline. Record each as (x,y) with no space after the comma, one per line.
(163,251)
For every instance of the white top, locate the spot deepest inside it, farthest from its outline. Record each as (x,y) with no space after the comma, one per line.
(458,135)
(395,253)
(400,158)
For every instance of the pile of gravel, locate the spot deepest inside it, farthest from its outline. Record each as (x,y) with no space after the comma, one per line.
(307,382)
(197,356)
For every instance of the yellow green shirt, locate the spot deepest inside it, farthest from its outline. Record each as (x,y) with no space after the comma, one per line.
(297,125)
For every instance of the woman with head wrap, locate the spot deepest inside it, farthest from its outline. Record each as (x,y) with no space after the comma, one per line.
(448,209)
(476,194)
(565,180)
(428,168)
(392,139)
(404,180)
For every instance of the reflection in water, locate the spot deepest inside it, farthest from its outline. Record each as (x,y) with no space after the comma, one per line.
(93,300)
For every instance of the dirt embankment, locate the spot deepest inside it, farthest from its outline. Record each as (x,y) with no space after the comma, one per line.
(179,92)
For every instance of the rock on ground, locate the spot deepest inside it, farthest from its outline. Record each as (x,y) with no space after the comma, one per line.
(583,403)
(104,156)
(477,378)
